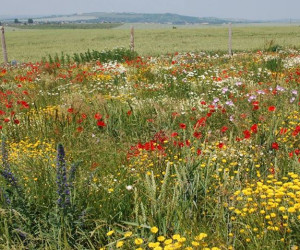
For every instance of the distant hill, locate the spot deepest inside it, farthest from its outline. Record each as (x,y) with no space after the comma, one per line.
(155,18)
(113,17)
(104,17)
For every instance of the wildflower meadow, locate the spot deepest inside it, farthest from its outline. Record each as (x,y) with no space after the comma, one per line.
(179,151)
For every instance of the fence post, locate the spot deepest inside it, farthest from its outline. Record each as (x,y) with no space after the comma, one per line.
(230,39)
(3,45)
(132,38)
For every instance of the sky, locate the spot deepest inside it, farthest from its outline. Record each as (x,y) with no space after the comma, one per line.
(245,9)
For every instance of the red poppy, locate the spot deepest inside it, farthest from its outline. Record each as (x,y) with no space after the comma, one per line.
(79,129)
(97,116)
(70,110)
(101,123)
(254,128)
(247,134)
(221,145)
(129,112)
(182,126)
(199,152)
(174,134)
(16,121)
(224,129)
(272,108)
(275,146)
(255,105)
(198,135)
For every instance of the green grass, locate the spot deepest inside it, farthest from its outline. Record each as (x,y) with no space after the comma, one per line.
(32,45)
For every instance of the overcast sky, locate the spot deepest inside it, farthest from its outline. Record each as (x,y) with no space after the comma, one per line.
(248,9)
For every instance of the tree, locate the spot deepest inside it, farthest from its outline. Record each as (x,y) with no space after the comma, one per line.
(30,20)
(16,20)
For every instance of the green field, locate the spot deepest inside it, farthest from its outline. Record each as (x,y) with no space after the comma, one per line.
(31,45)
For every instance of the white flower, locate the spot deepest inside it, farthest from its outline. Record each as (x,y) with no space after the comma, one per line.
(129,187)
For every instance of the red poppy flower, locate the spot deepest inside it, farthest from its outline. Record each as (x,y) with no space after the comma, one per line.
(197,135)
(129,112)
(255,105)
(174,134)
(272,108)
(221,145)
(182,126)
(97,116)
(70,110)
(247,134)
(16,121)
(101,123)
(254,128)
(79,129)
(224,129)
(275,146)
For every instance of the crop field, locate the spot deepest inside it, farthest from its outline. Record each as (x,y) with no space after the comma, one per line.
(31,44)
(186,150)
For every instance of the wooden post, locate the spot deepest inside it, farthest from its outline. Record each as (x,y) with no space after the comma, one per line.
(230,39)
(3,45)
(132,38)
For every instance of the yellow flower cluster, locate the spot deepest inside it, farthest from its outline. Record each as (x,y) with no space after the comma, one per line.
(18,151)
(176,241)
(275,202)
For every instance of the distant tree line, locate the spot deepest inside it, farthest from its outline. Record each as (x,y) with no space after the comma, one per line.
(16,21)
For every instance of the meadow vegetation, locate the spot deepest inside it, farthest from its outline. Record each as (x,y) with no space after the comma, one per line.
(194,150)
(31,45)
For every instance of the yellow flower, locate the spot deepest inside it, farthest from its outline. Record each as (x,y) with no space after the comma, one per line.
(127,234)
(138,241)
(153,245)
(154,230)
(195,243)
(176,236)
(161,238)
(110,233)
(201,236)
(291,210)
(167,242)
(282,209)
(182,239)
(120,244)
